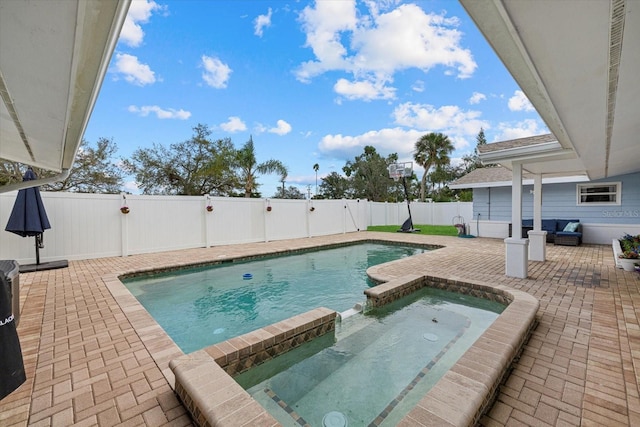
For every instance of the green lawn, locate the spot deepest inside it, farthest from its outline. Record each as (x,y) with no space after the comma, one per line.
(439,230)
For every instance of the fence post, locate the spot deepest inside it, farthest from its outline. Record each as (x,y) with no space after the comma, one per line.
(124,228)
(344,216)
(265,211)
(207,203)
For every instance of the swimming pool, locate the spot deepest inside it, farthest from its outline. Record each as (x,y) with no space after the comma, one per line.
(216,303)
(379,365)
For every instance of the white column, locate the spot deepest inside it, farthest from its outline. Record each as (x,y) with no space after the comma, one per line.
(537,202)
(537,237)
(516,248)
(516,201)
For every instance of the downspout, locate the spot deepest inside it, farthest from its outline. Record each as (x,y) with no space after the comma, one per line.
(35,183)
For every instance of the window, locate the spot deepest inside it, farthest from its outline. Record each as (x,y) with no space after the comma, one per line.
(603,193)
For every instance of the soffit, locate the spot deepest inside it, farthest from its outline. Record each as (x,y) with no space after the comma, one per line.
(53,57)
(560,55)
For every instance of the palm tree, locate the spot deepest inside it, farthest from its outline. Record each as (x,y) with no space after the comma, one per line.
(431,150)
(315,168)
(249,167)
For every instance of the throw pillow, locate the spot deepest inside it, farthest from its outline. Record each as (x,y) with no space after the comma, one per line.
(572,227)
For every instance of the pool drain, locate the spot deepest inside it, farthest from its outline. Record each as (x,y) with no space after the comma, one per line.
(334,419)
(430,337)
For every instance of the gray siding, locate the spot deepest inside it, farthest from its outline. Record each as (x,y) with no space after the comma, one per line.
(559,201)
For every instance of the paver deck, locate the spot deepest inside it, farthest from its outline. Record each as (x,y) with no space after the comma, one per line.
(93,357)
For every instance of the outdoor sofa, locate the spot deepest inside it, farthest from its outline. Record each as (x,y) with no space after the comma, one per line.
(558,230)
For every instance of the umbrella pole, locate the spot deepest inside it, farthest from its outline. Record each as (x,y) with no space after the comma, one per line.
(37,249)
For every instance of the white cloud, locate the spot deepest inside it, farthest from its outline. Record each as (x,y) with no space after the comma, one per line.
(261,22)
(476,97)
(418,86)
(160,113)
(216,73)
(365,90)
(282,128)
(259,128)
(457,124)
(131,187)
(323,25)
(134,71)
(386,141)
(520,102)
(234,124)
(381,43)
(139,13)
(523,129)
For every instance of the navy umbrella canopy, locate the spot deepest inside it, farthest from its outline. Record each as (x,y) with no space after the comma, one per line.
(28,217)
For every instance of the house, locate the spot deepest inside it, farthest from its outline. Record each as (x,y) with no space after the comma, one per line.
(581,80)
(607,207)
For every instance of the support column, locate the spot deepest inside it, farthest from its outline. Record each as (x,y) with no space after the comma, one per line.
(517,248)
(537,237)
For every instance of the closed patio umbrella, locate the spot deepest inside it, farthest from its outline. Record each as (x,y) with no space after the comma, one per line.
(28,217)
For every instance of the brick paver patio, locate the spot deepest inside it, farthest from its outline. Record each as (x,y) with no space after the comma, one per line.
(93,357)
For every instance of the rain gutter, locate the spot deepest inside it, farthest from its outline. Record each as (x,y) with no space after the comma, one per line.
(35,182)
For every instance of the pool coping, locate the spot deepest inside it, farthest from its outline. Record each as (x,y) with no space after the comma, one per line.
(483,366)
(162,348)
(459,398)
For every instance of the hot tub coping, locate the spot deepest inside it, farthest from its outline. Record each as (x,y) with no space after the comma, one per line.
(206,387)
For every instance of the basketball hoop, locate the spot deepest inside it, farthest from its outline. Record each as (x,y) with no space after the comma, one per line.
(403,170)
(400,170)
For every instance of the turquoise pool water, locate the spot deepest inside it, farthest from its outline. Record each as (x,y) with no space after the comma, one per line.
(378,365)
(204,306)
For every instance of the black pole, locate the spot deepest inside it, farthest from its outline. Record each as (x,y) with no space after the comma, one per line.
(406,196)
(37,249)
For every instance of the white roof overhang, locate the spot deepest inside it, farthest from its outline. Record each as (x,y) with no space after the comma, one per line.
(548,158)
(53,57)
(578,63)
(525,181)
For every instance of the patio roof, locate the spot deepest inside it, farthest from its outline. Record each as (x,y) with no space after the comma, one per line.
(54,57)
(502,177)
(577,63)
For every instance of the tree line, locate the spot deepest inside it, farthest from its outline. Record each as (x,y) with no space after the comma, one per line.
(201,165)
(367,175)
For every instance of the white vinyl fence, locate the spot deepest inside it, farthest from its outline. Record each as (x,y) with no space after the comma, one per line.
(85,226)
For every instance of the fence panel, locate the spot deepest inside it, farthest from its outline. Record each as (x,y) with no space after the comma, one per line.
(327,218)
(161,224)
(287,219)
(236,220)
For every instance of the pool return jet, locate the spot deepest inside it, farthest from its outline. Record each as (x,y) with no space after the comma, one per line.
(403,170)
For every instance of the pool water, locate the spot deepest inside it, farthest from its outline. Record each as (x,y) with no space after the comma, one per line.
(378,365)
(201,307)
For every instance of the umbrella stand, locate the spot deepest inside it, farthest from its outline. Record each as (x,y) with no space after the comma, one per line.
(28,218)
(39,238)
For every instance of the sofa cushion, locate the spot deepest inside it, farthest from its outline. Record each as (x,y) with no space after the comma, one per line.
(562,223)
(569,234)
(549,225)
(571,227)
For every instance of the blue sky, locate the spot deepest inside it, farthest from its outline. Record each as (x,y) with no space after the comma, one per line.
(311,81)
